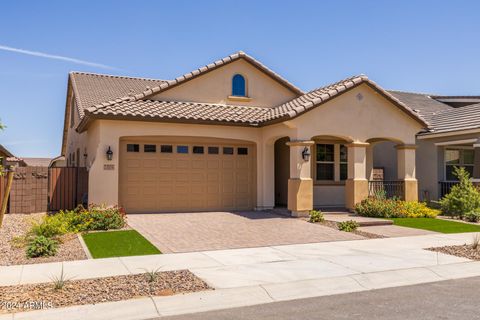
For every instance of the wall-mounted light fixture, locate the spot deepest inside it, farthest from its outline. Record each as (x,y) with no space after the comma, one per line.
(109,154)
(306,154)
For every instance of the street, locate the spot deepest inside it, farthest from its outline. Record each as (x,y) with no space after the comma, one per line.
(453,299)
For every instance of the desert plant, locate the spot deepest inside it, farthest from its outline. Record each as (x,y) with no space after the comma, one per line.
(316,216)
(50,226)
(348,226)
(476,241)
(394,208)
(41,246)
(106,218)
(472,216)
(463,197)
(60,280)
(152,275)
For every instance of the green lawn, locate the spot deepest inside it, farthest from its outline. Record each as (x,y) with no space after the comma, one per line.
(118,244)
(438,225)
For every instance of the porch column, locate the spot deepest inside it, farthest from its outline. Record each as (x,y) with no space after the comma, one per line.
(476,159)
(406,170)
(356,186)
(300,183)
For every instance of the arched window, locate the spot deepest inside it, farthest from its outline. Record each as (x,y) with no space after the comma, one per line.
(238,86)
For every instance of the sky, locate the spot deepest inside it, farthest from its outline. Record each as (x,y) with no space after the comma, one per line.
(420,46)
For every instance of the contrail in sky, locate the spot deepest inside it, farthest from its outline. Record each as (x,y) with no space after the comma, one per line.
(56,57)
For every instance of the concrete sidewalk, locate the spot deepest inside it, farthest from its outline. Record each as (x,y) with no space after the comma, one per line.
(260,275)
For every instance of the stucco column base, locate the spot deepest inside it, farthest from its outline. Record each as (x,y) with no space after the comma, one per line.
(410,190)
(356,190)
(300,196)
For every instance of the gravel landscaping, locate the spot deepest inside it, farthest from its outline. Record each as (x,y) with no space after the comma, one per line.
(91,291)
(16,225)
(464,251)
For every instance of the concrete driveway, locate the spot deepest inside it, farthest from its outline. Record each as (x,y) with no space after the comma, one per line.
(201,231)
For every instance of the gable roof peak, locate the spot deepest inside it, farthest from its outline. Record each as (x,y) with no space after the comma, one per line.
(198,72)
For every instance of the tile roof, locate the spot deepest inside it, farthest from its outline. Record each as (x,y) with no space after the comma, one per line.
(422,103)
(151,109)
(191,111)
(318,96)
(37,162)
(92,88)
(168,84)
(454,119)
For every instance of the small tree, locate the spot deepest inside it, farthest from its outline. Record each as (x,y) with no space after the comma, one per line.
(463,197)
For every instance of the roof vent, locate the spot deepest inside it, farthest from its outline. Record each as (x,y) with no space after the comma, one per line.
(359,96)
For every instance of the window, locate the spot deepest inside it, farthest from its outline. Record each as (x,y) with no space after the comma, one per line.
(213,150)
(149,148)
(227,150)
(182,149)
(198,149)
(238,86)
(343,162)
(458,158)
(131,147)
(166,148)
(242,151)
(325,162)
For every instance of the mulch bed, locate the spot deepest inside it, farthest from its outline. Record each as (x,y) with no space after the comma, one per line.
(19,298)
(368,235)
(16,225)
(464,251)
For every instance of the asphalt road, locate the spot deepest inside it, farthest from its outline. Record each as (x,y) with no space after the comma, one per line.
(454,299)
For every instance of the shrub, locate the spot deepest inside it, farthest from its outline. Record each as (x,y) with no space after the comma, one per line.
(394,208)
(377,207)
(41,246)
(463,197)
(414,209)
(50,226)
(348,226)
(316,216)
(472,216)
(106,218)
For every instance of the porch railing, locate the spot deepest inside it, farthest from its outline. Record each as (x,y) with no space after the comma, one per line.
(446,186)
(390,188)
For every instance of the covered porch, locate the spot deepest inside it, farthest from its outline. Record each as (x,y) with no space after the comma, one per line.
(463,153)
(326,171)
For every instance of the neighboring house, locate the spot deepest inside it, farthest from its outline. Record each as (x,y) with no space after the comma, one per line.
(234,135)
(7,159)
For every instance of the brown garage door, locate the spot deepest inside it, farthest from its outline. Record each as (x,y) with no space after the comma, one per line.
(178,174)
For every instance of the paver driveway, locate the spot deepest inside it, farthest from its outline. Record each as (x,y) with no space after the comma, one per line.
(200,231)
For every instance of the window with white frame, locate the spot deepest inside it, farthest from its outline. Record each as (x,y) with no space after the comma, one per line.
(331,162)
(458,157)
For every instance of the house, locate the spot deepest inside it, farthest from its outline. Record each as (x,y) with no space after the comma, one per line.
(7,159)
(235,135)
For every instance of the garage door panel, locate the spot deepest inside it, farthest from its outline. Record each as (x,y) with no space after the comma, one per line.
(182,164)
(227,164)
(134,163)
(213,164)
(169,182)
(165,163)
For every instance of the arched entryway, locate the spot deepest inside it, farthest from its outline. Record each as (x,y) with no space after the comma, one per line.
(329,170)
(282,171)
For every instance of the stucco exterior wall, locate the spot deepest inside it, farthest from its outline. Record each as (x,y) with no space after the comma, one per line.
(385,156)
(75,140)
(329,196)
(216,86)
